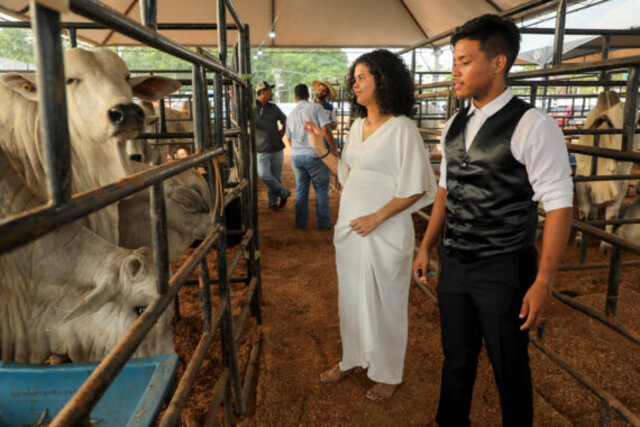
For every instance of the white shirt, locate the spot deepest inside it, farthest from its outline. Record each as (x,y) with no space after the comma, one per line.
(537,143)
(304,111)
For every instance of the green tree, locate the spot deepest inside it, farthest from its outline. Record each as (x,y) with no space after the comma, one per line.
(17,44)
(287,69)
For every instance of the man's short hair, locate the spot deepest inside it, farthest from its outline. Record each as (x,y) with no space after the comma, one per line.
(301,91)
(495,34)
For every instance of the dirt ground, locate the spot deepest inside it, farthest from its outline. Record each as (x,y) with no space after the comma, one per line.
(301,338)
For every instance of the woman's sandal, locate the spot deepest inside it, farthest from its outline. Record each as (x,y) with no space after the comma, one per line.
(334,374)
(380,391)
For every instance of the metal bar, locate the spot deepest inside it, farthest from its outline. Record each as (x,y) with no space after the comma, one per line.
(159,239)
(612,401)
(631,335)
(99,26)
(577,83)
(205,294)
(236,16)
(222,35)
(22,228)
(582,31)
(94,387)
(240,251)
(227,133)
(248,376)
(245,309)
(429,95)
(162,116)
(149,14)
(607,237)
(172,414)
(200,121)
(73,37)
(558,40)
(605,55)
(604,152)
(613,284)
(572,267)
(581,178)
(607,131)
(99,12)
(218,395)
(609,64)
(629,123)
(617,221)
(52,102)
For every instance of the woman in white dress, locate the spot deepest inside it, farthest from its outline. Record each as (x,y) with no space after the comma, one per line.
(385,173)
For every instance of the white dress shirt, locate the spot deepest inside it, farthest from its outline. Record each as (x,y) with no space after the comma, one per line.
(537,143)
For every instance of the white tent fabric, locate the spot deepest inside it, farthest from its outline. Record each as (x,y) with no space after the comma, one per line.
(301,23)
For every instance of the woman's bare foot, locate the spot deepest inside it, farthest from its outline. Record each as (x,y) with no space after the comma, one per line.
(334,374)
(381,391)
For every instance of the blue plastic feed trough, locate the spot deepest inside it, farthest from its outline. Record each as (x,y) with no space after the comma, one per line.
(34,393)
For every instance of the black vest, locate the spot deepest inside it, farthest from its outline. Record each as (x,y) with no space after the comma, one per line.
(489,207)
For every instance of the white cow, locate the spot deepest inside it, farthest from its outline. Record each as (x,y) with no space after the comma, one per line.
(631,231)
(608,113)
(71,293)
(101,117)
(188,206)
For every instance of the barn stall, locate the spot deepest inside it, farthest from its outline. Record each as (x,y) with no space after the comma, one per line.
(535,90)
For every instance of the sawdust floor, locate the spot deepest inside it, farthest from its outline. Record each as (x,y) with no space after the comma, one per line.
(301,338)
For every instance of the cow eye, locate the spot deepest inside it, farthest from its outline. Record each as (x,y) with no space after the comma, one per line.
(71,81)
(139,310)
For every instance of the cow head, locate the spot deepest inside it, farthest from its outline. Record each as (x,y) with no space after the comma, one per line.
(122,289)
(189,211)
(99,93)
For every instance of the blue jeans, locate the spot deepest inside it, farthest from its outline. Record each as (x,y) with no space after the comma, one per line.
(270,172)
(311,168)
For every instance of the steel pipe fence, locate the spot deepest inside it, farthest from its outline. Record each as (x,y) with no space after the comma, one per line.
(210,149)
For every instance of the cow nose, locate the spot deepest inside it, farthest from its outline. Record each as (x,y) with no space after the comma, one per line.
(127,115)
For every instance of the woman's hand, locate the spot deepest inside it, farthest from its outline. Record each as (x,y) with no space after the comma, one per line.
(421,265)
(366,224)
(315,138)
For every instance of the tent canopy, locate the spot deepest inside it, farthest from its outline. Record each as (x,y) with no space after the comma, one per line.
(304,23)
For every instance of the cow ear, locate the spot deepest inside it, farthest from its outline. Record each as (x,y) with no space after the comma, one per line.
(152,88)
(189,199)
(23,83)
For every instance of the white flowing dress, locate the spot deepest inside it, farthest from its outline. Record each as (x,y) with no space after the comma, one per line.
(374,272)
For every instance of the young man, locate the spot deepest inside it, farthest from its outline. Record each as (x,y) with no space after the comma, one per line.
(269,145)
(307,166)
(500,158)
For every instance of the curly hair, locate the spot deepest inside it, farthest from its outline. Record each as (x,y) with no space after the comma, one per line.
(495,34)
(394,90)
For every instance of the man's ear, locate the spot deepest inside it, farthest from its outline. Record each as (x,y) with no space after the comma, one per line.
(499,63)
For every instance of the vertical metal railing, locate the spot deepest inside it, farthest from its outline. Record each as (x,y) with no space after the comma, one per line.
(64,207)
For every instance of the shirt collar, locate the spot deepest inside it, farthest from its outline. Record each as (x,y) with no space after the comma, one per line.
(494,106)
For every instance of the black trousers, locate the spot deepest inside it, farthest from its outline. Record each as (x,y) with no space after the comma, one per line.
(482,299)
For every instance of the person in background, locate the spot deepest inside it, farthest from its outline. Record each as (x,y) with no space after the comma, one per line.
(270,125)
(308,168)
(325,93)
(385,173)
(500,157)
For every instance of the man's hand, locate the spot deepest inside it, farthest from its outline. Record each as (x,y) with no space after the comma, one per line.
(365,224)
(421,265)
(535,304)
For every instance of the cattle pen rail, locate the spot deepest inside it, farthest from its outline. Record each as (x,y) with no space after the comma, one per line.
(64,208)
(532,81)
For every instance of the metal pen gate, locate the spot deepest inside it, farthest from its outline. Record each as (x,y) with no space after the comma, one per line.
(531,81)
(210,150)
